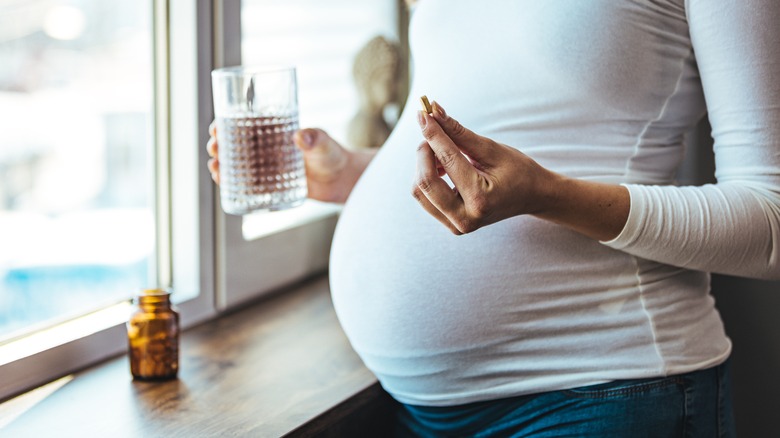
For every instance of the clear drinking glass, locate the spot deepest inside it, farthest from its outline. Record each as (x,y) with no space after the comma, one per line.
(257,114)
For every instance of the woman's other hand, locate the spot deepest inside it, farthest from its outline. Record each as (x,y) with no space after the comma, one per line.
(213,149)
(331,170)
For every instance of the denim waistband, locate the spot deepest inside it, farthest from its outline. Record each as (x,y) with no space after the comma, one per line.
(695,404)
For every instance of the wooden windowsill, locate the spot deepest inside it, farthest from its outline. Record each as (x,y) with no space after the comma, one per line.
(279,367)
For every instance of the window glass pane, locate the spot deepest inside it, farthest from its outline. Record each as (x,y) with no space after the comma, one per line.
(76,180)
(321,39)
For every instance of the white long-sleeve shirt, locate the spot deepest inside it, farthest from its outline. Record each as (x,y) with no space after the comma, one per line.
(599,90)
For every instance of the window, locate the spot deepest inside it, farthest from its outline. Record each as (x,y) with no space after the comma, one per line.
(105,106)
(86,178)
(322,49)
(75,100)
(321,39)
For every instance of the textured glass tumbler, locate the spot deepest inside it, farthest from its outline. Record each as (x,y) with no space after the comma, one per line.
(257,114)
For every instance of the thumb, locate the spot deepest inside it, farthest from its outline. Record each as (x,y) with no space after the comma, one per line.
(468,141)
(314,140)
(319,149)
(306,139)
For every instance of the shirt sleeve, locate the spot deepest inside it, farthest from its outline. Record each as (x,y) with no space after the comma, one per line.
(733,226)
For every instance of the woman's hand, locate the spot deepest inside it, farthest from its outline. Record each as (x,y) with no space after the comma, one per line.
(493,182)
(331,170)
(213,149)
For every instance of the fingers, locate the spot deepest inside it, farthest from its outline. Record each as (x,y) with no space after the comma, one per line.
(468,142)
(213,165)
(469,160)
(211,147)
(432,192)
(457,166)
(433,211)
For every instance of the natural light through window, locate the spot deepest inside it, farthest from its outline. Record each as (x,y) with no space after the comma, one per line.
(76,182)
(321,40)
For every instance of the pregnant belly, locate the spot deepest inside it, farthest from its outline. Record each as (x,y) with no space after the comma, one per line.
(415,287)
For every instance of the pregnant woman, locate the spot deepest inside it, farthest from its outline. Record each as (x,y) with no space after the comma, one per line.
(544,276)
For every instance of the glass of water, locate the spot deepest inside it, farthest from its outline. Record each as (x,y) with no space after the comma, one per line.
(260,167)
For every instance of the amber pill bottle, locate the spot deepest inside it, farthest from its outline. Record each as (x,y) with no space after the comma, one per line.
(153,337)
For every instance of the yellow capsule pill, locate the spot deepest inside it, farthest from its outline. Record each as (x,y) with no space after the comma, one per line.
(426,105)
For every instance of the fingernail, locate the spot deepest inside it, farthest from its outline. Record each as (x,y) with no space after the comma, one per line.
(421,119)
(438,109)
(308,139)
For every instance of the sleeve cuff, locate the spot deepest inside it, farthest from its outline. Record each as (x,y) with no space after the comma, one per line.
(632,229)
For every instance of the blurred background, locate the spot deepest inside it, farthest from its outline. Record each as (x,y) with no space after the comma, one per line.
(77,155)
(76,222)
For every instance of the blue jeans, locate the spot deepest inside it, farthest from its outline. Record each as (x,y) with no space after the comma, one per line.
(696,404)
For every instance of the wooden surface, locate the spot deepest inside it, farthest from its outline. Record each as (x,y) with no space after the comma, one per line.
(282,366)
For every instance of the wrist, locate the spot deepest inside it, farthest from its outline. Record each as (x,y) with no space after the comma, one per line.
(552,190)
(354,164)
(357,161)
(595,209)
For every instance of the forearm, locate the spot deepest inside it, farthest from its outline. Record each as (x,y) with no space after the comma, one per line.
(594,209)
(724,228)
